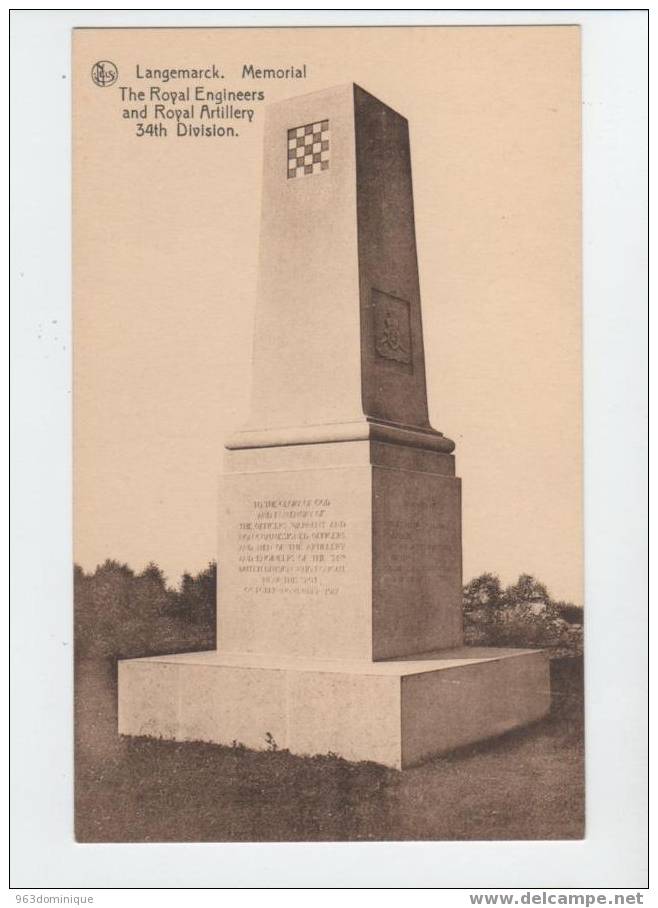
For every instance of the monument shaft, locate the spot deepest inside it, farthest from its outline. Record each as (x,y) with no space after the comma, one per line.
(338,342)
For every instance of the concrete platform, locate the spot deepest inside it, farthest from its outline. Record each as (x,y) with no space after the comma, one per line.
(396,712)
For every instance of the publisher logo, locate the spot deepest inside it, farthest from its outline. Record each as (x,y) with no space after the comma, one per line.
(104,73)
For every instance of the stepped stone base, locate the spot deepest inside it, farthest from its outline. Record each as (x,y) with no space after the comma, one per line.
(397,713)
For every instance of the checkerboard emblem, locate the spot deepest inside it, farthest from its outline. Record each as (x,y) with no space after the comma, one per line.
(308,149)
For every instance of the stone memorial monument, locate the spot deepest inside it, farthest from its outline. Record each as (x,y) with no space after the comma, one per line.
(340,600)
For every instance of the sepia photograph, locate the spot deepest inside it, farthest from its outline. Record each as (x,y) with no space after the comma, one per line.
(328,530)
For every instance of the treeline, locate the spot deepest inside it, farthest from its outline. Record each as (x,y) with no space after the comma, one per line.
(122,614)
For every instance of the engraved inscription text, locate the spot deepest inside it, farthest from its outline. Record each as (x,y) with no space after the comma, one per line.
(292,547)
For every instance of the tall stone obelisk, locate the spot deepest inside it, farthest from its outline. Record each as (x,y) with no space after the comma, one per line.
(340,586)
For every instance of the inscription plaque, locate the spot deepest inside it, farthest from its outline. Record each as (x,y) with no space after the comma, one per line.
(295,554)
(293,546)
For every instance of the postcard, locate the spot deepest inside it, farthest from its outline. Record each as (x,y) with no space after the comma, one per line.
(327,434)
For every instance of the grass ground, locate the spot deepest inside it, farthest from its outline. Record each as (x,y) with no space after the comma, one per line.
(528,784)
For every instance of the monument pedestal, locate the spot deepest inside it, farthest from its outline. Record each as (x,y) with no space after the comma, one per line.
(341,550)
(394,712)
(341,566)
(340,577)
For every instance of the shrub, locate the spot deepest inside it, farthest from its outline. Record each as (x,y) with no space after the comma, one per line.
(522,615)
(484,591)
(571,613)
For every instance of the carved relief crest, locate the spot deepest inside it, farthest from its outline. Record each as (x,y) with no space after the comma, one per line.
(392,329)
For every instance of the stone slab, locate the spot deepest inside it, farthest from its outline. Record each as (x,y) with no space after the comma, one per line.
(394,712)
(363,452)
